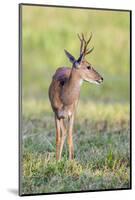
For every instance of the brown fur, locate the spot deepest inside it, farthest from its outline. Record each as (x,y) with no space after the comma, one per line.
(64,93)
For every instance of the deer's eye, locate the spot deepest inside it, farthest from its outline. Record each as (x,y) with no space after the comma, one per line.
(88,67)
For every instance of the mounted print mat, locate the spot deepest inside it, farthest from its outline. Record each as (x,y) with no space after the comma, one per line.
(75,89)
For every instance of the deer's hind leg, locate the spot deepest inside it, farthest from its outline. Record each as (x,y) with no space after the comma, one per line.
(70,137)
(63,136)
(58,137)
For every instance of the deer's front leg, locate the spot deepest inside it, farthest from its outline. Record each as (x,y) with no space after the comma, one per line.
(70,137)
(58,137)
(63,136)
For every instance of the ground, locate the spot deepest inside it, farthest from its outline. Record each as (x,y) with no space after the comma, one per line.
(102,151)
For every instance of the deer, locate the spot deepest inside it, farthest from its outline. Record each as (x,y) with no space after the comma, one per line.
(64,92)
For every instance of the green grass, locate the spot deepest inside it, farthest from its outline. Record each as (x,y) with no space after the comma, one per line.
(102,151)
(101,162)
(102,122)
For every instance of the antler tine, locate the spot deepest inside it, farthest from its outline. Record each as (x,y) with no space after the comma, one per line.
(84,44)
(83,37)
(87,51)
(81,40)
(79,36)
(89,38)
(84,40)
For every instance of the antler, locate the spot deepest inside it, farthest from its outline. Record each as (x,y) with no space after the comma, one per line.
(84,44)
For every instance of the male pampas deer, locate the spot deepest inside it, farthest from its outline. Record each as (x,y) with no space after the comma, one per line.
(64,94)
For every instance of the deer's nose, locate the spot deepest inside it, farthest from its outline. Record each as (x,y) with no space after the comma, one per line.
(101,79)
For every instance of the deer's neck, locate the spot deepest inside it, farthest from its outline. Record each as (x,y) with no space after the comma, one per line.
(75,81)
(71,89)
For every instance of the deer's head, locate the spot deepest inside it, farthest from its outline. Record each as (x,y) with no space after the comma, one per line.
(82,66)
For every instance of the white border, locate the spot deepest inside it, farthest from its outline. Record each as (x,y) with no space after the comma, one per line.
(9,98)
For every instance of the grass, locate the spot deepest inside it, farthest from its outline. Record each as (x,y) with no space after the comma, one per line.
(102,151)
(102,123)
(101,162)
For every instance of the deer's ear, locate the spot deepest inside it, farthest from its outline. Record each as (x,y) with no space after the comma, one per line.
(70,57)
(78,61)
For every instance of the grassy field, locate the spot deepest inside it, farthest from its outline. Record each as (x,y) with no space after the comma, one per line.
(102,123)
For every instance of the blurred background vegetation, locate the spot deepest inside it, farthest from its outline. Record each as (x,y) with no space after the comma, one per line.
(46,32)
